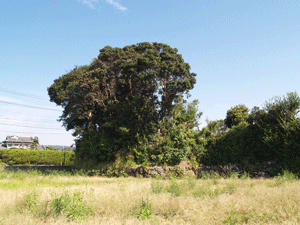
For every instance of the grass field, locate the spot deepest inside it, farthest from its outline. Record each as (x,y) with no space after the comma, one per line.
(60,198)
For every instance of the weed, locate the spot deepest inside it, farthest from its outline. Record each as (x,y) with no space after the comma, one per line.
(72,206)
(233,175)
(146,210)
(19,175)
(208,175)
(30,201)
(231,188)
(203,191)
(175,188)
(236,219)
(215,181)
(3,174)
(266,217)
(191,182)
(204,175)
(245,176)
(157,187)
(286,177)
(171,212)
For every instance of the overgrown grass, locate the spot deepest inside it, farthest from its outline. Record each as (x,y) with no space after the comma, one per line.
(63,198)
(71,206)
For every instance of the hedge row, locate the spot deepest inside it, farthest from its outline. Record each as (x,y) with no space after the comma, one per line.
(36,157)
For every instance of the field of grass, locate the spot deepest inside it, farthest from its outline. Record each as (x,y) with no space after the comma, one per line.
(63,198)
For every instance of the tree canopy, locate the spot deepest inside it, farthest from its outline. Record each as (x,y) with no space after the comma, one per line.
(124,92)
(236,115)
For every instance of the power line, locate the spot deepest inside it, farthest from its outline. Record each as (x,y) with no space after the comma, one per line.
(48,128)
(29,106)
(22,94)
(19,132)
(33,121)
(11,113)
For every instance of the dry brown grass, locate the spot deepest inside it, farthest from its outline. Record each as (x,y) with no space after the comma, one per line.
(184,201)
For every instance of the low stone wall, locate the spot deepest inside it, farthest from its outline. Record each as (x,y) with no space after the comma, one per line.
(42,168)
(253,171)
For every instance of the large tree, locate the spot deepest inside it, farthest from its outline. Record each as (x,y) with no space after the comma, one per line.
(124,92)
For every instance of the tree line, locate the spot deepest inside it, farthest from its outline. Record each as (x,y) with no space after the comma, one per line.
(130,104)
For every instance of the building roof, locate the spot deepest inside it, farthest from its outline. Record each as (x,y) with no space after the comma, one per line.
(17,139)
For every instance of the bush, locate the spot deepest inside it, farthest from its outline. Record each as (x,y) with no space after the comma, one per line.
(228,147)
(36,157)
(96,147)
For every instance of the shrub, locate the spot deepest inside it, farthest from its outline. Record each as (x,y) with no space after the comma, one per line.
(228,147)
(96,147)
(36,157)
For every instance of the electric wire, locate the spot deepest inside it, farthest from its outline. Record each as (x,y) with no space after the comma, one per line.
(23,94)
(30,106)
(48,128)
(19,132)
(26,120)
(18,114)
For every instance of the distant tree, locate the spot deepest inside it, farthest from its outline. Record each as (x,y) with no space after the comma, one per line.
(68,149)
(236,115)
(35,143)
(216,126)
(51,148)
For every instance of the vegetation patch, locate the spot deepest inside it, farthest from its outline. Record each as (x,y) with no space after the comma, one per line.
(36,157)
(99,200)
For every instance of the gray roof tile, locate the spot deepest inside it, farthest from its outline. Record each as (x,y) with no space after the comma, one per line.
(17,139)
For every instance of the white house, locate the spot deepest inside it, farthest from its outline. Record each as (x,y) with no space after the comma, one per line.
(18,142)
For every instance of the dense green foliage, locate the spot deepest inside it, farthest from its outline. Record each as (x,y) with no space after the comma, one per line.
(270,134)
(236,115)
(123,94)
(36,157)
(227,147)
(175,140)
(96,146)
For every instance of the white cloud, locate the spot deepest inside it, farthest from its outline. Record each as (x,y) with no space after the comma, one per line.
(90,3)
(116,5)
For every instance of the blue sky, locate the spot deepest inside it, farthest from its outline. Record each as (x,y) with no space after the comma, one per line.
(243,51)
